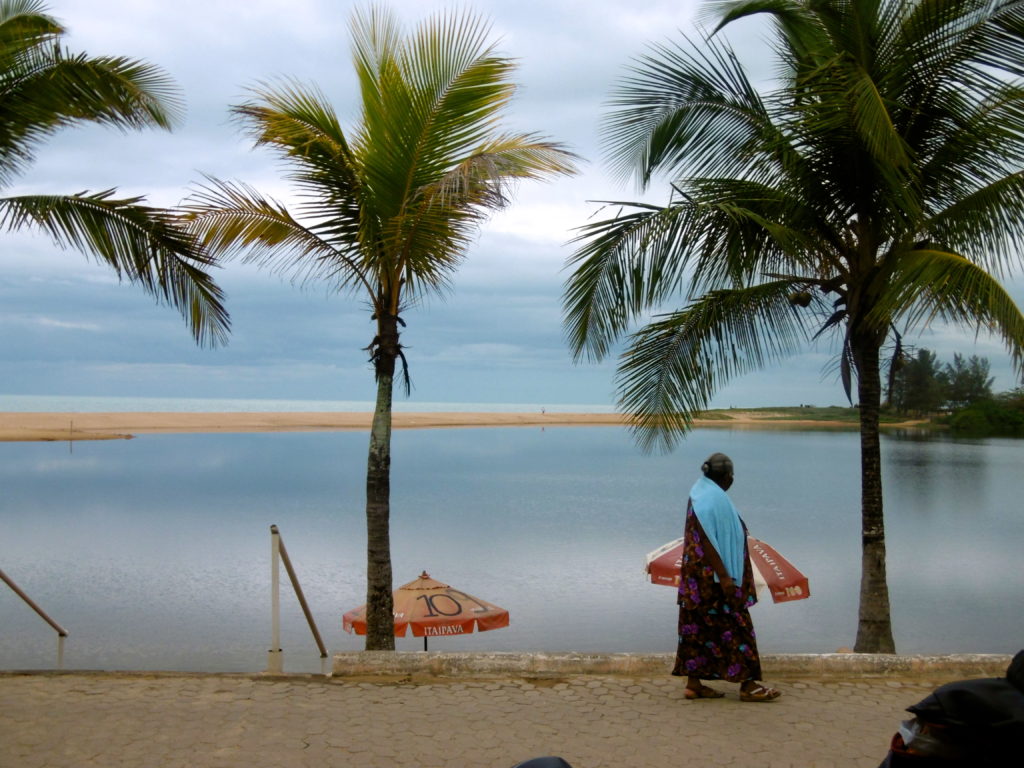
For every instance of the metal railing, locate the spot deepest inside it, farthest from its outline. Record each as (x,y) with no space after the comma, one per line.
(61,632)
(275,656)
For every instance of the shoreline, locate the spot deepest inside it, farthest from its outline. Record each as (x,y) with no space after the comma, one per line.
(71,426)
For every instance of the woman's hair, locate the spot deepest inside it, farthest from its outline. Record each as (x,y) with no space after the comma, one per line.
(717,466)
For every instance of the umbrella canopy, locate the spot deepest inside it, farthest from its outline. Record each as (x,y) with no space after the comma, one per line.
(771,570)
(433,609)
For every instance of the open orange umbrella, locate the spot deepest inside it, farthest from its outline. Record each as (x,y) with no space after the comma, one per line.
(433,609)
(783,580)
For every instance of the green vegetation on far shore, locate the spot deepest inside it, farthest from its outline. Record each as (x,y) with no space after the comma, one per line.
(826,414)
(1000,415)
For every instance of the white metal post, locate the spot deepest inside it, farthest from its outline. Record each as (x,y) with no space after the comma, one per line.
(275,657)
(61,632)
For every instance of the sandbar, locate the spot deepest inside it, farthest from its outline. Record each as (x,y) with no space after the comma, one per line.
(32,426)
(29,426)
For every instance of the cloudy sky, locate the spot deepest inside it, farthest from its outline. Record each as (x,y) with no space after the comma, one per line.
(68,328)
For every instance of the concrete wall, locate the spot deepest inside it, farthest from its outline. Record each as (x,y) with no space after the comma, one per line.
(796,665)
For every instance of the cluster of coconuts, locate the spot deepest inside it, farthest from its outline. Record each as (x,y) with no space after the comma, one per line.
(800,298)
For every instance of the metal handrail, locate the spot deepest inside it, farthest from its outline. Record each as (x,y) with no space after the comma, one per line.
(275,656)
(61,632)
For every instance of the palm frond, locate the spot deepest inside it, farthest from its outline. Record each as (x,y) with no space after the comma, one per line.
(871,118)
(932,284)
(24,24)
(797,28)
(297,121)
(1004,37)
(232,220)
(726,233)
(459,85)
(987,222)
(143,245)
(976,143)
(497,163)
(626,264)
(43,89)
(427,100)
(673,365)
(744,229)
(685,108)
(439,222)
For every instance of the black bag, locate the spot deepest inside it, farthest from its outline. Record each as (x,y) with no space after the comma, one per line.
(977,723)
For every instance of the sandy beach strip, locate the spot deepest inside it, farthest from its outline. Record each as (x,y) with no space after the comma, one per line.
(29,426)
(18,426)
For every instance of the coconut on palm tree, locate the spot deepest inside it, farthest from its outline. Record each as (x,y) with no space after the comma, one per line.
(873,188)
(44,88)
(387,207)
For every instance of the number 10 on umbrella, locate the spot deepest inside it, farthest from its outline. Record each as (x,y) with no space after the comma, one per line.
(434,609)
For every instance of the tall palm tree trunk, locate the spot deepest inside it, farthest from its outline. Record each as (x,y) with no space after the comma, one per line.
(874,627)
(380,627)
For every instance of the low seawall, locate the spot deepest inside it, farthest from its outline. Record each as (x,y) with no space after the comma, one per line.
(788,666)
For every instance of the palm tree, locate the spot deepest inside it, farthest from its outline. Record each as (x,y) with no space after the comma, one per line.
(44,88)
(387,210)
(875,187)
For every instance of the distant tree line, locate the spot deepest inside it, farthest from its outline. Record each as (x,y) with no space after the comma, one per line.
(921,384)
(960,391)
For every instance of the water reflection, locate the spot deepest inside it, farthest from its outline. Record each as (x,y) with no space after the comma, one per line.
(155,552)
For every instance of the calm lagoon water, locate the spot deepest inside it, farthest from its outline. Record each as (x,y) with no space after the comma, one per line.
(154,552)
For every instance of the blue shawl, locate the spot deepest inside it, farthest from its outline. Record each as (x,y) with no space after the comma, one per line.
(721,523)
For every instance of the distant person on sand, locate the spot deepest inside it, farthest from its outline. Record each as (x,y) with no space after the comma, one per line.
(716,636)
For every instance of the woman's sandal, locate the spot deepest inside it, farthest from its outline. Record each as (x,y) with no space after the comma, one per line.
(704,692)
(759,693)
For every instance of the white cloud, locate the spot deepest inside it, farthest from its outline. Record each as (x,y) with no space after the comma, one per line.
(490,354)
(50,322)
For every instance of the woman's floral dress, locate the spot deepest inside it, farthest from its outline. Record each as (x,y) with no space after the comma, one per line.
(716,637)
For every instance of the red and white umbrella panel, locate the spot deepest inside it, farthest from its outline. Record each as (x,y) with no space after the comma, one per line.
(772,571)
(433,609)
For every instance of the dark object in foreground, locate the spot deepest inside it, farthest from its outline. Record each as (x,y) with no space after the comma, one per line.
(977,723)
(544,762)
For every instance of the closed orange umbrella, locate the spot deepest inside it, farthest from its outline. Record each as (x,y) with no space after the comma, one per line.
(433,609)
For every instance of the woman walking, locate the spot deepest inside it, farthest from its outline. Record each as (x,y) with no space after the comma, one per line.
(716,636)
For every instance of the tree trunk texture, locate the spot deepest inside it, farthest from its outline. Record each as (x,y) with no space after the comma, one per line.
(874,626)
(380,619)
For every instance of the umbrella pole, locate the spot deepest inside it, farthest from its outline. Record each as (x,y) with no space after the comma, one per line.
(424,642)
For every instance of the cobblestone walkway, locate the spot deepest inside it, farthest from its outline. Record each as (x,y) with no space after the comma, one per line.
(108,719)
